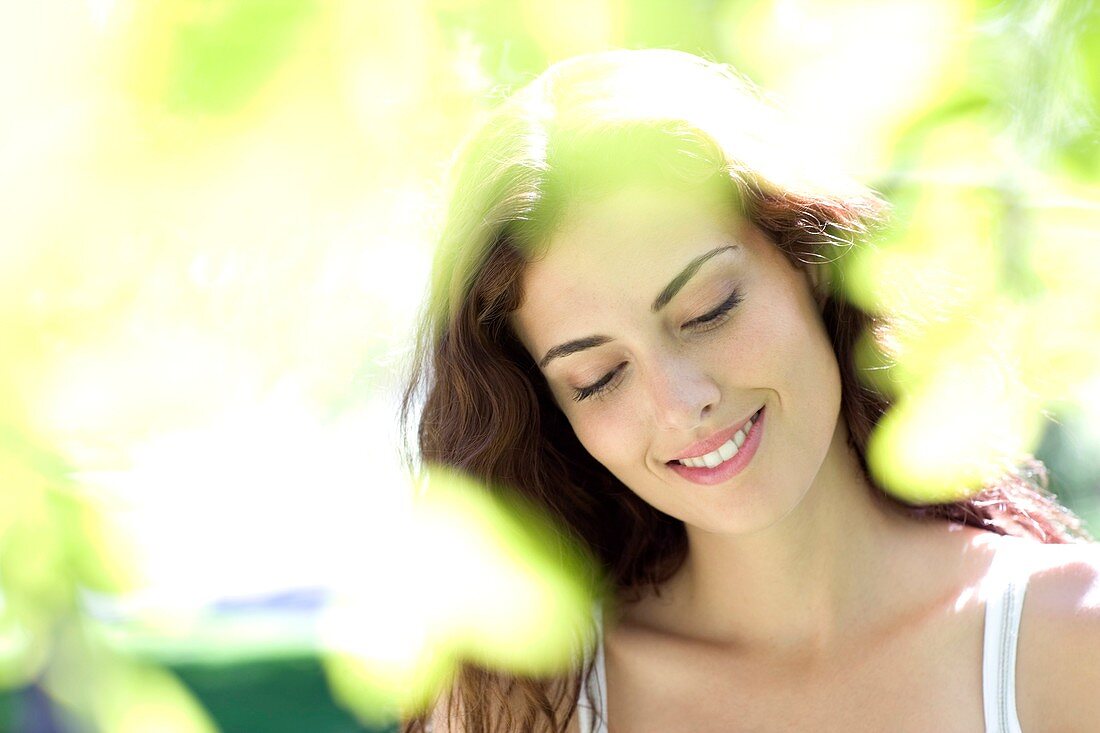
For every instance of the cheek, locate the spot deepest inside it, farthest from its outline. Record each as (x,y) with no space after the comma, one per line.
(813,367)
(609,434)
(769,339)
(783,344)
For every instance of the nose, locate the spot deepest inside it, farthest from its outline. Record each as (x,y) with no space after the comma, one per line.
(683,394)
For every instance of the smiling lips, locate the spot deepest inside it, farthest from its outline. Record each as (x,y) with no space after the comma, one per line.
(723,455)
(723,452)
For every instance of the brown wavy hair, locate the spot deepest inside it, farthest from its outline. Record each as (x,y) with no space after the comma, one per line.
(480,404)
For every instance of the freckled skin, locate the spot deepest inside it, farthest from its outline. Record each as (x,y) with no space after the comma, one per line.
(606,262)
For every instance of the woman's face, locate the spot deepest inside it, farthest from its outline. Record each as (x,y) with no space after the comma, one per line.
(663,323)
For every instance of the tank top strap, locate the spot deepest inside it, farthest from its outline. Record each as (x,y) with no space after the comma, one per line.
(592,701)
(1004,599)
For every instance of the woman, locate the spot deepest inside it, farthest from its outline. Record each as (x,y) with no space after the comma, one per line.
(633,324)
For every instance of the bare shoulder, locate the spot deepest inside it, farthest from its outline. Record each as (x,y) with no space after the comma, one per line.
(1059,649)
(1065,586)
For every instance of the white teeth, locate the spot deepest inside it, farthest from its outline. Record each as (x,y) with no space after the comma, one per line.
(724,452)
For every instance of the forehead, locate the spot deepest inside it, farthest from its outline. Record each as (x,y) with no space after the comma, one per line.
(617,252)
(628,236)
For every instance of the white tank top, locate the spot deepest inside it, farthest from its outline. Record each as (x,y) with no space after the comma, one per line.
(1005,585)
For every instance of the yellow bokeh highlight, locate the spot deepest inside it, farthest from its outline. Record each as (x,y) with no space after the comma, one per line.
(515,599)
(153,700)
(958,428)
(1063,332)
(487,582)
(115,693)
(856,72)
(564,28)
(23,650)
(986,285)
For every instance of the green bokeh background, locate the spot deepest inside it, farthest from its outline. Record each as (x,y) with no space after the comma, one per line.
(213,204)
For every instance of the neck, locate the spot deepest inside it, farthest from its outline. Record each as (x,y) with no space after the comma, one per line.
(807,582)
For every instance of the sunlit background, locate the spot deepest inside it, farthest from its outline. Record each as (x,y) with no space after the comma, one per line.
(217,217)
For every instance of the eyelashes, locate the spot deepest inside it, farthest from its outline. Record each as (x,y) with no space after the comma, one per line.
(706,322)
(602,386)
(713,318)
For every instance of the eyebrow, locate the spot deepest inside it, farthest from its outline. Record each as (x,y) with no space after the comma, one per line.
(686,274)
(666,295)
(572,347)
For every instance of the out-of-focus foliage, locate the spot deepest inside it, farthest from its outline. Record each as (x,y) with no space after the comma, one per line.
(494,583)
(217,217)
(998,216)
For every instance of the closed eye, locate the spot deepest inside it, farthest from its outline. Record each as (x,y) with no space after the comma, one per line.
(707,321)
(602,386)
(714,317)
